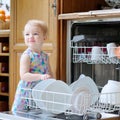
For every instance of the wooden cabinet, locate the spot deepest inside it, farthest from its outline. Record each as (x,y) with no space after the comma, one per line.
(21,12)
(68,6)
(47,10)
(4,69)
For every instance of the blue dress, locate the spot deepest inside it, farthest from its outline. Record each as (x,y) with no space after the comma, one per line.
(38,64)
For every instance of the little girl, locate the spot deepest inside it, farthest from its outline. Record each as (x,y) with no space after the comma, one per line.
(34,63)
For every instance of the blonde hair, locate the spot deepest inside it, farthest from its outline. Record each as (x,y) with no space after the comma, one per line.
(38,23)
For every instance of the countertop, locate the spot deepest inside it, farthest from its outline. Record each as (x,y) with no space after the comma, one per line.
(114,13)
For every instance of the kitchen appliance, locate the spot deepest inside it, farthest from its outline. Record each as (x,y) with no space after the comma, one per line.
(82,36)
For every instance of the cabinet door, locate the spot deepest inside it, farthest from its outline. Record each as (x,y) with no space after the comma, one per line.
(21,12)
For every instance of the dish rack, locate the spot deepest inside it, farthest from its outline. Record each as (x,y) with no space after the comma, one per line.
(88,104)
(84,54)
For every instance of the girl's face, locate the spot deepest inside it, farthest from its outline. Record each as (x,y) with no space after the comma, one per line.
(34,37)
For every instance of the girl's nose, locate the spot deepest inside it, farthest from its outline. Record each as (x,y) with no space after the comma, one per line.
(30,35)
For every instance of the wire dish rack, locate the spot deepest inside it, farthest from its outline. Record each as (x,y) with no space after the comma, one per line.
(84,54)
(87,104)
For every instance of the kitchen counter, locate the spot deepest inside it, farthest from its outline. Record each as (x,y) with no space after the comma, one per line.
(38,116)
(25,116)
(114,13)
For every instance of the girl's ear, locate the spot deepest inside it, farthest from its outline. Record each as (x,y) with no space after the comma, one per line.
(45,37)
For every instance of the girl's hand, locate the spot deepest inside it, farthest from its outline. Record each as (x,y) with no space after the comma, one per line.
(45,76)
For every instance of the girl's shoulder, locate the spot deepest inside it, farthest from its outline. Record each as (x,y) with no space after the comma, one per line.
(25,54)
(27,51)
(30,53)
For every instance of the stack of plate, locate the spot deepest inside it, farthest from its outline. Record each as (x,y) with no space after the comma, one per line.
(85,93)
(52,95)
(57,97)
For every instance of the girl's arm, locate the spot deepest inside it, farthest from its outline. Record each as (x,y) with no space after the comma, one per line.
(24,70)
(49,67)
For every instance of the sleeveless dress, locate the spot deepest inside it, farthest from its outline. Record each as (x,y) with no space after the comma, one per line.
(38,64)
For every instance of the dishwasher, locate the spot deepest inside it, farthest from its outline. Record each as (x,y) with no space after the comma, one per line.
(91,107)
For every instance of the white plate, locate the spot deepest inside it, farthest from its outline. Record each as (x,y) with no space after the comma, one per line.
(55,97)
(85,93)
(80,100)
(39,89)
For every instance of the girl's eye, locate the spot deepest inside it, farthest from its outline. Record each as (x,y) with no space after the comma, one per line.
(26,34)
(36,34)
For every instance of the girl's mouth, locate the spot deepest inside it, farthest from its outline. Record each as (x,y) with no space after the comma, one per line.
(31,40)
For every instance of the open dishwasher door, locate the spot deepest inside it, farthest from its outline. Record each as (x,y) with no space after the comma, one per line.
(10,116)
(24,116)
(62,116)
(37,116)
